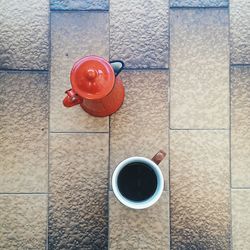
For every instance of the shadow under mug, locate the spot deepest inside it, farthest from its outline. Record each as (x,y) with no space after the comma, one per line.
(138,182)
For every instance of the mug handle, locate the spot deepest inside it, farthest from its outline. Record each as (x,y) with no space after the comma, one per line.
(158,157)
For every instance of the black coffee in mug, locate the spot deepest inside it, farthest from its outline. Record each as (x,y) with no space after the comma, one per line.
(137,181)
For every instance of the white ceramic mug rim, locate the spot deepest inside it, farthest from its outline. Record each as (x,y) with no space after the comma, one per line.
(143,204)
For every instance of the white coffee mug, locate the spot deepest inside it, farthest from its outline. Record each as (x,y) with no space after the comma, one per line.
(132,175)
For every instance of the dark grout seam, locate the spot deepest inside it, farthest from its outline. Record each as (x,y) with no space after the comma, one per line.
(201,129)
(24,193)
(52,132)
(240,188)
(74,10)
(198,7)
(240,65)
(24,70)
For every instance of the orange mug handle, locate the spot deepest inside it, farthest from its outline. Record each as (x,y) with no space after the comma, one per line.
(158,157)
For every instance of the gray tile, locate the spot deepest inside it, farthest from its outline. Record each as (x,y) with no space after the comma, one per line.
(140,127)
(78,201)
(240,120)
(199,69)
(23,220)
(241,219)
(139,33)
(139,229)
(240,31)
(24,29)
(75,35)
(199,3)
(200,189)
(23,132)
(79,4)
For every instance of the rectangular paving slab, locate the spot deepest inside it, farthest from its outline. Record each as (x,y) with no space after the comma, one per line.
(199,69)
(140,127)
(139,229)
(75,35)
(200,189)
(23,132)
(24,39)
(78,200)
(23,220)
(240,31)
(240,121)
(139,33)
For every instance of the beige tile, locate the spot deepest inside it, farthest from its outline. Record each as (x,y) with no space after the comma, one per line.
(23,220)
(75,35)
(139,33)
(24,29)
(199,3)
(240,120)
(241,219)
(199,69)
(23,132)
(240,31)
(79,5)
(78,201)
(200,189)
(139,229)
(140,127)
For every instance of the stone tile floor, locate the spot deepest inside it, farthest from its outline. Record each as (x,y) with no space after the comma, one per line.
(187,82)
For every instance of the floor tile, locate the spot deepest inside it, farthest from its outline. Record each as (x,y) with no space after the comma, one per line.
(140,127)
(23,132)
(139,229)
(199,3)
(240,120)
(24,29)
(240,31)
(75,35)
(139,33)
(199,69)
(200,189)
(78,201)
(79,5)
(241,219)
(23,220)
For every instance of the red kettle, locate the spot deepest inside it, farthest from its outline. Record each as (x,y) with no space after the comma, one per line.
(96,86)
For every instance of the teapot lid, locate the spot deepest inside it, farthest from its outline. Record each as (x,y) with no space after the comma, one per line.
(92,77)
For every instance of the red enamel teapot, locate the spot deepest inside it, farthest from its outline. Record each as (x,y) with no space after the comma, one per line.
(96,86)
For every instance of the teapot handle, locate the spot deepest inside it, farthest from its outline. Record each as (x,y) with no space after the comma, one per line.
(117,66)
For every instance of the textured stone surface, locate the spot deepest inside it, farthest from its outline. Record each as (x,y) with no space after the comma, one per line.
(23,132)
(200,190)
(24,29)
(75,35)
(139,229)
(241,219)
(199,3)
(23,221)
(78,203)
(240,31)
(139,33)
(240,120)
(79,4)
(199,69)
(140,127)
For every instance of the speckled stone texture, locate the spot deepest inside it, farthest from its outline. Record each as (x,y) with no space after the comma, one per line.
(78,201)
(140,127)
(23,132)
(200,189)
(139,33)
(79,4)
(139,229)
(24,29)
(75,35)
(240,31)
(199,69)
(199,3)
(241,219)
(240,121)
(23,220)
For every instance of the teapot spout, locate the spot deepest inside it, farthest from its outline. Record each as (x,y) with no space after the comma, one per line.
(117,66)
(71,99)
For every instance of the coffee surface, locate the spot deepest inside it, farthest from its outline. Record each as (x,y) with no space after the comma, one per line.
(137,181)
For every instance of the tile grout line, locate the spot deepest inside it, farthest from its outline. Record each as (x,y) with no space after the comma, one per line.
(240,188)
(41,71)
(200,129)
(77,132)
(75,10)
(239,65)
(24,193)
(198,7)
